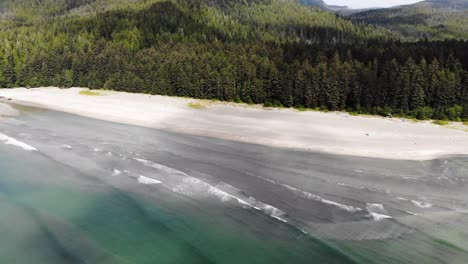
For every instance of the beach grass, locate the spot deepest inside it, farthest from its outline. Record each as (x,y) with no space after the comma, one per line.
(441,122)
(196,105)
(90,93)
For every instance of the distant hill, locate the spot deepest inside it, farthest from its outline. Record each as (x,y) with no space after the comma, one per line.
(454,5)
(317,3)
(325,6)
(342,10)
(432,19)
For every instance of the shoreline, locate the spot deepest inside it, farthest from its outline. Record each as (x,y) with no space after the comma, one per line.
(333,133)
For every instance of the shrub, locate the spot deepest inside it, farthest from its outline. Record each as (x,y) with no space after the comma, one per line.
(237,99)
(423,113)
(454,112)
(302,108)
(384,111)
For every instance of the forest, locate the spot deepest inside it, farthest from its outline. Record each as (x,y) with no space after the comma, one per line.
(271,52)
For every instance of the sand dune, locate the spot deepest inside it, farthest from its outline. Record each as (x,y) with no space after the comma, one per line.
(336,133)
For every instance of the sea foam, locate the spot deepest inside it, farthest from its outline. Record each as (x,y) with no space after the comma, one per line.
(421,204)
(379,217)
(377,211)
(191,186)
(11,141)
(310,196)
(146,180)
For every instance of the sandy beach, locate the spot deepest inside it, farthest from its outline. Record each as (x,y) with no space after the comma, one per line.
(336,133)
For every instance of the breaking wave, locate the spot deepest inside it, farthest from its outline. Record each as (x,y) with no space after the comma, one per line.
(421,204)
(377,212)
(310,196)
(182,183)
(379,217)
(11,141)
(145,180)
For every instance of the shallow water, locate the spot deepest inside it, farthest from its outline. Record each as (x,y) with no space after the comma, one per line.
(78,190)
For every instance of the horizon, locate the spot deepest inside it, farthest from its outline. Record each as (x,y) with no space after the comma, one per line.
(360,4)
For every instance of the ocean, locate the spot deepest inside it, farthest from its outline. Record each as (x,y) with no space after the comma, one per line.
(79,190)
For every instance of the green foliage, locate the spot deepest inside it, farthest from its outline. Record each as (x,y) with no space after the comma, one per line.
(423,113)
(425,20)
(300,108)
(270,52)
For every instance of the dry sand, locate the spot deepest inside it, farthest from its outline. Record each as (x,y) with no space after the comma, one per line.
(336,133)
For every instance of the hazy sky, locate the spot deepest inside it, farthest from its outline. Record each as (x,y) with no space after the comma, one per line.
(370,3)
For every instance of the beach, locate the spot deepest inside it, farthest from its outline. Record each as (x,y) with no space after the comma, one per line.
(334,132)
(135,194)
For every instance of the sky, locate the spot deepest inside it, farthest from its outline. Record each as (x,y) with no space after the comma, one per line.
(370,3)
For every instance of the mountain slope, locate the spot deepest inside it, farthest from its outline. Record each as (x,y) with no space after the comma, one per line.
(454,5)
(432,19)
(272,52)
(325,6)
(318,3)
(266,20)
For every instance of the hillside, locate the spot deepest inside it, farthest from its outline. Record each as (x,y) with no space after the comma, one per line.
(332,8)
(271,52)
(432,19)
(317,3)
(454,5)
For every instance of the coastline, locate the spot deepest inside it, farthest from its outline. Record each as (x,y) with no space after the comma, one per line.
(333,133)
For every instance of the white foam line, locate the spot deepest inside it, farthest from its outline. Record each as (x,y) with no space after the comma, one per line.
(371,208)
(342,206)
(145,180)
(279,218)
(266,179)
(375,207)
(379,217)
(411,213)
(320,199)
(160,167)
(140,178)
(189,183)
(421,204)
(355,187)
(11,141)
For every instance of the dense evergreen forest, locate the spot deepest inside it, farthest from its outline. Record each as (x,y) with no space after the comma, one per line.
(431,19)
(270,52)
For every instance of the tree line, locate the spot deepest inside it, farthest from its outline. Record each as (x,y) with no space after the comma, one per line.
(257,56)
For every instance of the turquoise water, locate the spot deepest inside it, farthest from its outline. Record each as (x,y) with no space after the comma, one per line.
(52,214)
(84,197)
